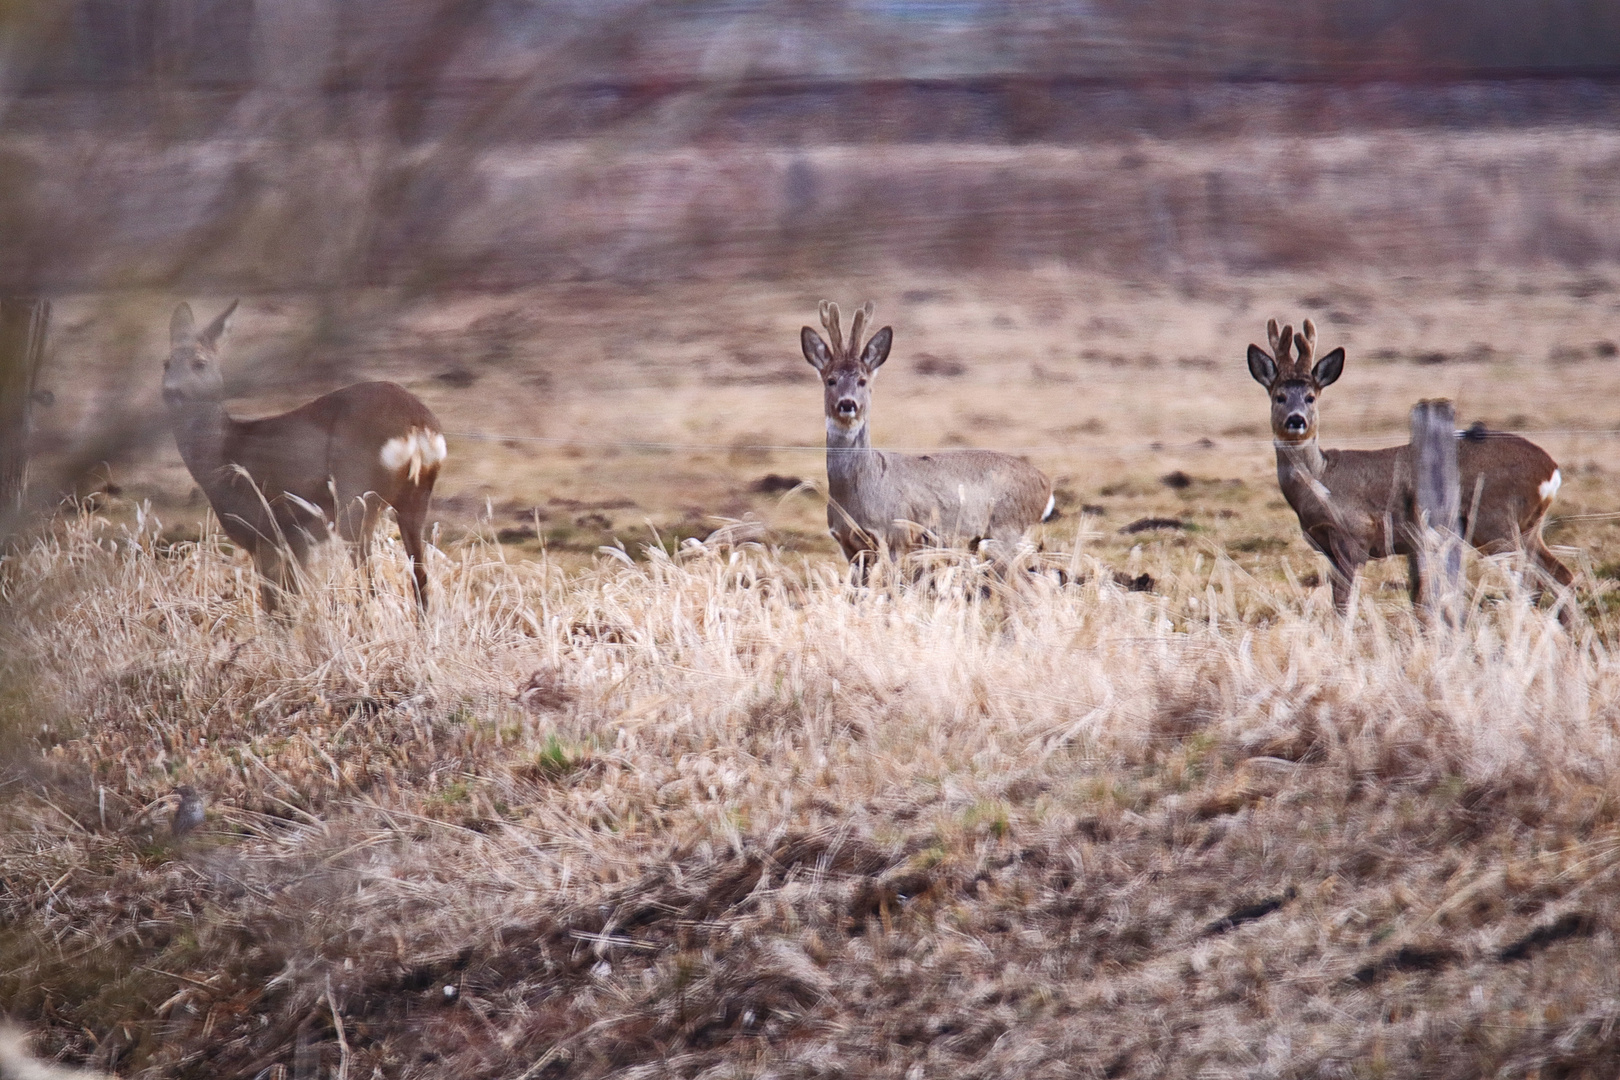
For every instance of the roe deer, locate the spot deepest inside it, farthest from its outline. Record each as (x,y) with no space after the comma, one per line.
(344,455)
(1355,505)
(882,499)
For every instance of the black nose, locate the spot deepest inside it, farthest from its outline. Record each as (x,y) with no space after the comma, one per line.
(1295,422)
(847,407)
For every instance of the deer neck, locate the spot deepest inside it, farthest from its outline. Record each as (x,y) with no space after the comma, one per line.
(847,451)
(200,429)
(1300,469)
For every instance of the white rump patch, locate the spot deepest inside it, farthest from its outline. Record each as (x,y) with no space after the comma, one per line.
(1549,487)
(414,451)
(1051,504)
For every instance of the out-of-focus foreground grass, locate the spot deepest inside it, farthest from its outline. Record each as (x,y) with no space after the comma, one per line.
(719,812)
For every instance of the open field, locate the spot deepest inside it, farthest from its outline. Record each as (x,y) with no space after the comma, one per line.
(581,413)
(709,811)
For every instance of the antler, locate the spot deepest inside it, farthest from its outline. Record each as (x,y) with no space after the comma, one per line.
(1305,343)
(862,317)
(1280,341)
(829,322)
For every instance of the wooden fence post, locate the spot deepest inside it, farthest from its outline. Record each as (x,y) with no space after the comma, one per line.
(23,323)
(1438,499)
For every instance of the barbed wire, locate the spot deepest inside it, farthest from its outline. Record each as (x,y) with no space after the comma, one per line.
(1202,445)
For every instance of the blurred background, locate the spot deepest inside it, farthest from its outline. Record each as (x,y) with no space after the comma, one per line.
(586,233)
(522,208)
(234,144)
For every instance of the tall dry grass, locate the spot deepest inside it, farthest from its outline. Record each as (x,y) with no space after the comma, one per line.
(721,813)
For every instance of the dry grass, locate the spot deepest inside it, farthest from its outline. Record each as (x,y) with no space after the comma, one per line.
(709,811)
(1107,384)
(719,814)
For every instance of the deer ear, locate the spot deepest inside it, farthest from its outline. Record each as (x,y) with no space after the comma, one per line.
(216,329)
(877,350)
(815,350)
(1262,367)
(182,326)
(1329,368)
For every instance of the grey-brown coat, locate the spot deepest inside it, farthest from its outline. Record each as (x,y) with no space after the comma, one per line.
(884,499)
(342,457)
(1356,505)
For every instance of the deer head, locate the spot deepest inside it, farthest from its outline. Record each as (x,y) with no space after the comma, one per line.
(1293,380)
(846,369)
(191,373)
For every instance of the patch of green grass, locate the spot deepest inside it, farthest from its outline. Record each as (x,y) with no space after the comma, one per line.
(988,816)
(1257,545)
(557,758)
(456,792)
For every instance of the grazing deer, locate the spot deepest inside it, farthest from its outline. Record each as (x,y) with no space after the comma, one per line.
(1355,505)
(880,499)
(343,456)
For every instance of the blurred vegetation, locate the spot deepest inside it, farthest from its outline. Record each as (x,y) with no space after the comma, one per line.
(365,154)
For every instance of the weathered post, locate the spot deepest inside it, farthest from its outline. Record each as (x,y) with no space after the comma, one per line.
(1434,459)
(22,345)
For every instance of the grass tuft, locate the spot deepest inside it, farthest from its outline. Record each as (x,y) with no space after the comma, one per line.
(718,811)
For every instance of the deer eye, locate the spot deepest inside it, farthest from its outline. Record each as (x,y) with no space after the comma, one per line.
(1309,398)
(1279,399)
(860,382)
(832,382)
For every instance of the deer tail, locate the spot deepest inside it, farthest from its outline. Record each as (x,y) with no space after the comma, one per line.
(415,452)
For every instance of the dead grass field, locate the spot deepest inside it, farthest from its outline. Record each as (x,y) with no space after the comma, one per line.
(599,409)
(708,811)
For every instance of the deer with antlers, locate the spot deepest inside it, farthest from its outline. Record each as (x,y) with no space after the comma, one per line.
(339,459)
(1356,505)
(883,500)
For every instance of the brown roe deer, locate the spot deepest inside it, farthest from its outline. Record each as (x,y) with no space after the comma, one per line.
(1355,505)
(879,499)
(342,457)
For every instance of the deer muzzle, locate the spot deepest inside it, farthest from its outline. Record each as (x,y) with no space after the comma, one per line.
(846,408)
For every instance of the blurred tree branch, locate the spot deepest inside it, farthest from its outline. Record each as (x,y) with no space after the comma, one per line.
(23,326)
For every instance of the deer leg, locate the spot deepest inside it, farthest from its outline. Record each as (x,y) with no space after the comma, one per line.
(412,514)
(1342,584)
(1414,579)
(1342,572)
(1345,560)
(357,524)
(267,560)
(278,572)
(855,552)
(1548,563)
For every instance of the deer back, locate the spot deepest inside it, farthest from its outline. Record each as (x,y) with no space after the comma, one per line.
(368,437)
(899,499)
(1507,485)
(263,475)
(956,496)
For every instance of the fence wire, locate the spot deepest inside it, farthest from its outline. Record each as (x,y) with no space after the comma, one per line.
(1156,446)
